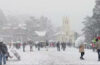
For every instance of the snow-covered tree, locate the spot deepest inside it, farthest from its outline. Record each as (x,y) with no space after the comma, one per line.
(3,20)
(41,24)
(92,24)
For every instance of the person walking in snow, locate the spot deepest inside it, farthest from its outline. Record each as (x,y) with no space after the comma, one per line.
(81,50)
(63,46)
(58,46)
(24,45)
(31,45)
(39,46)
(3,52)
(47,45)
(93,47)
(98,48)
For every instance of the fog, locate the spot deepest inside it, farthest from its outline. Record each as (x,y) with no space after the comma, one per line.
(55,10)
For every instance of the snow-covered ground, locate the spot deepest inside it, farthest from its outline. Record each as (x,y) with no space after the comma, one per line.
(53,57)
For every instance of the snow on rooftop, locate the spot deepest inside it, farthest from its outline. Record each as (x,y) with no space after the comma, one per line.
(41,33)
(22,26)
(59,33)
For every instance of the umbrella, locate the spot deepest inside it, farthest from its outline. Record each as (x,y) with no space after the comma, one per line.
(98,37)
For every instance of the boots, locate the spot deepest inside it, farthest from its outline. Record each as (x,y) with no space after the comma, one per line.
(81,58)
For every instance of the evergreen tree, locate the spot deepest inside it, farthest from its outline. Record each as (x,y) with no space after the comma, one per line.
(92,24)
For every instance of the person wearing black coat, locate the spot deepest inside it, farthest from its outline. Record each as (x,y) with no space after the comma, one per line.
(58,46)
(3,52)
(47,45)
(38,46)
(63,46)
(24,45)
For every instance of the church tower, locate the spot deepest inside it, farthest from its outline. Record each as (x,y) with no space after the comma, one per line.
(66,29)
(66,26)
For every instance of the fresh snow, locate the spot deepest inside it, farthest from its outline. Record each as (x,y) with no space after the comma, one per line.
(40,33)
(53,57)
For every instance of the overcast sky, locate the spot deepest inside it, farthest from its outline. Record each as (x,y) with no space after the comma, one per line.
(55,10)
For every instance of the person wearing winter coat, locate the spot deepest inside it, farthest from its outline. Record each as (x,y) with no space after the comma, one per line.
(39,46)
(93,46)
(47,45)
(98,48)
(63,46)
(3,52)
(81,50)
(24,45)
(58,46)
(31,45)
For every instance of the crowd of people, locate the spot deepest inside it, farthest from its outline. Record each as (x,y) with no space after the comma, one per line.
(95,46)
(46,45)
(4,54)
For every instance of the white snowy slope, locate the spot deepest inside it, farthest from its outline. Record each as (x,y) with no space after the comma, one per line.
(53,57)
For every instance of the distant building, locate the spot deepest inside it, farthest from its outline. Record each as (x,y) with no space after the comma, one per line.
(66,34)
